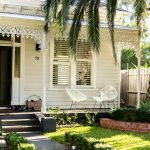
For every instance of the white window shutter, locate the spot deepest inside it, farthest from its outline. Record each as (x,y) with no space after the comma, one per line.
(83,67)
(61,63)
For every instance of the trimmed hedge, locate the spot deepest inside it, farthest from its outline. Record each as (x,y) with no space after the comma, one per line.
(131,114)
(16,141)
(84,143)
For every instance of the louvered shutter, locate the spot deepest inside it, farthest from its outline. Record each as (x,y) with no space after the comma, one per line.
(83,64)
(61,63)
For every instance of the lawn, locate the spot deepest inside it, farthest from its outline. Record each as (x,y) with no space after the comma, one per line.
(120,140)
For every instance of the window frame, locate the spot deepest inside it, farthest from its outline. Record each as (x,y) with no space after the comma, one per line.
(73,66)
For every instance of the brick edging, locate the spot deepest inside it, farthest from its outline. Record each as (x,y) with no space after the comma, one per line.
(125,126)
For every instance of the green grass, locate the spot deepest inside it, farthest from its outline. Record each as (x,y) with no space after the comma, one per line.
(120,140)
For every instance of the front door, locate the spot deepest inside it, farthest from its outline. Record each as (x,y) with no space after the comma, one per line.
(5,75)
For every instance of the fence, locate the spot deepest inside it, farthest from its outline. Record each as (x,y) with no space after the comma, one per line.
(129,85)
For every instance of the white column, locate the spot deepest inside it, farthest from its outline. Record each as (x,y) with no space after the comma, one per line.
(22,70)
(139,79)
(44,74)
(13,70)
(51,56)
(119,67)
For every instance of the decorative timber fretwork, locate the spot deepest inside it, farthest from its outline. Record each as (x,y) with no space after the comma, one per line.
(23,31)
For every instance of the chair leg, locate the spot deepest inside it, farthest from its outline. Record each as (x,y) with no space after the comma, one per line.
(104,107)
(75,106)
(114,103)
(71,105)
(100,106)
(94,105)
(117,101)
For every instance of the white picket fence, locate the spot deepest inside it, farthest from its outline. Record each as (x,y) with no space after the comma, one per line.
(129,85)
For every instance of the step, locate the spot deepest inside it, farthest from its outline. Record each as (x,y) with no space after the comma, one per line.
(11,122)
(21,128)
(6,116)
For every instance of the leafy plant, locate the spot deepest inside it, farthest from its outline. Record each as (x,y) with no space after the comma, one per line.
(73,118)
(62,118)
(14,140)
(145,105)
(90,118)
(53,110)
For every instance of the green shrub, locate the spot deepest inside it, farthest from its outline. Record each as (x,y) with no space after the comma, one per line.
(131,114)
(13,140)
(27,147)
(16,141)
(145,105)
(143,115)
(84,143)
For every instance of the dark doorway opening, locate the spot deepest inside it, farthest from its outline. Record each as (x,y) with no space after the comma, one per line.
(5,75)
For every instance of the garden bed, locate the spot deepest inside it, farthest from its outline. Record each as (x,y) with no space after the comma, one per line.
(125,126)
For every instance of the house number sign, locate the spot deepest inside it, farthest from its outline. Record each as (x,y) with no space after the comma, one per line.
(37,58)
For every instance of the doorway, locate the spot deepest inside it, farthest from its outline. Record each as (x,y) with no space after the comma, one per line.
(5,75)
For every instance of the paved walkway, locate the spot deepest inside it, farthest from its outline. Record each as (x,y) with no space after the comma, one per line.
(42,142)
(2,144)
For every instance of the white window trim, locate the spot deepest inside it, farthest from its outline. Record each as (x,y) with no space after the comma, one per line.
(72,70)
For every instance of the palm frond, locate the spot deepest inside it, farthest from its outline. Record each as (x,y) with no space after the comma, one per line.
(55,8)
(93,25)
(76,25)
(47,10)
(63,14)
(111,6)
(50,9)
(140,13)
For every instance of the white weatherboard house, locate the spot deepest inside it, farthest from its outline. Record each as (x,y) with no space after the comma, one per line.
(33,63)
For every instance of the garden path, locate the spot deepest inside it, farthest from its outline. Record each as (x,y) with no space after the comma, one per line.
(42,142)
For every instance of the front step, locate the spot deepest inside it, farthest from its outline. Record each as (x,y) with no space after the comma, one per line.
(11,122)
(21,128)
(4,116)
(19,122)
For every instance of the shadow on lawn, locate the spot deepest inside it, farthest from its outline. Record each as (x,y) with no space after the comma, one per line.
(118,139)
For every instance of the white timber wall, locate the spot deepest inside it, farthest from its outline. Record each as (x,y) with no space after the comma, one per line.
(107,73)
(33,70)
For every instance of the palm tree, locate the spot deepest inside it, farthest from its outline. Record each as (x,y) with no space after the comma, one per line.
(91,8)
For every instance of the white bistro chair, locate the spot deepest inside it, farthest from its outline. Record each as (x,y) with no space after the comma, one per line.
(76,96)
(107,95)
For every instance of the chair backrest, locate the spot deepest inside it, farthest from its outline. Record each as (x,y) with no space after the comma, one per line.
(109,93)
(76,95)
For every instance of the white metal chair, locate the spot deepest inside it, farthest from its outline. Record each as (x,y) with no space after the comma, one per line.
(76,95)
(107,95)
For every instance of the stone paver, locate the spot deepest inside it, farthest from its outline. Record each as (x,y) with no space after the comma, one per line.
(42,142)
(2,144)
